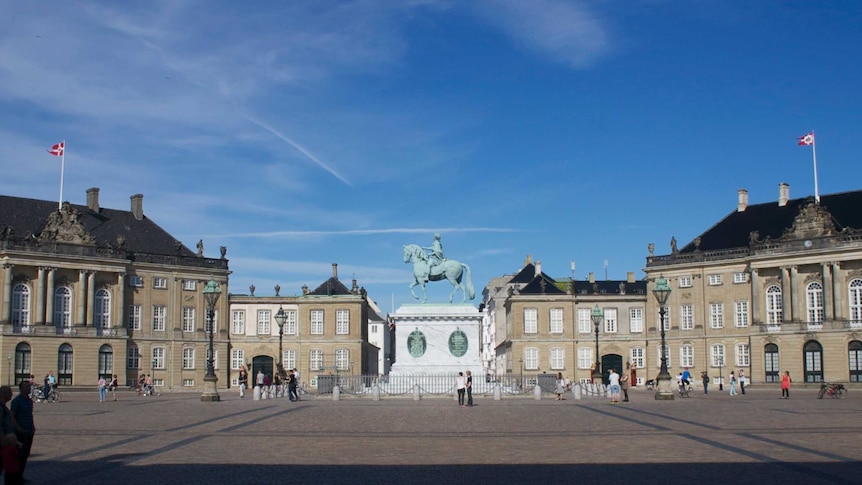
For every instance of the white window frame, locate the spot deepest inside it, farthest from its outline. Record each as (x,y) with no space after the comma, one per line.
(666,322)
(160,315)
(158,360)
(237,325)
(136,281)
(160,283)
(686,317)
(686,356)
(854,302)
(718,356)
(237,359)
(264,322)
(636,320)
(715,279)
(741,277)
(531,321)
(63,307)
(814,303)
(290,323)
(637,357)
(743,355)
(188,324)
(741,315)
(555,319)
(342,322)
(289,359)
(716,315)
(102,310)
(557,358)
(610,320)
(685,281)
(188,358)
(531,358)
(315,359)
(21,305)
(317,323)
(135,317)
(342,359)
(190,285)
(585,358)
(774,305)
(133,357)
(584,322)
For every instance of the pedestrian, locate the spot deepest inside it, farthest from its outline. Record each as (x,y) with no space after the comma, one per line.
(291,385)
(742,381)
(243,382)
(460,385)
(25,427)
(469,387)
(614,383)
(8,440)
(625,381)
(705,378)
(732,384)
(113,386)
(102,386)
(559,386)
(785,385)
(260,380)
(148,384)
(276,384)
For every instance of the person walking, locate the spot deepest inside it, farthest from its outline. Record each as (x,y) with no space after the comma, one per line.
(741,375)
(113,386)
(732,384)
(559,387)
(102,386)
(704,376)
(292,381)
(25,427)
(785,385)
(460,385)
(625,381)
(469,387)
(243,382)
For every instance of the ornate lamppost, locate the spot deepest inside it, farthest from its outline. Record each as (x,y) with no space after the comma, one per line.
(661,290)
(597,316)
(280,319)
(211,292)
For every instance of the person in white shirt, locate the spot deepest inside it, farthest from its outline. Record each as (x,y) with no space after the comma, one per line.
(614,382)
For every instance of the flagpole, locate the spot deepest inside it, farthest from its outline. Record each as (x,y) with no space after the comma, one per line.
(62,169)
(814,153)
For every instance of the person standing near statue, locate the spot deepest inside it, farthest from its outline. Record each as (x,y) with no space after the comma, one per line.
(435,257)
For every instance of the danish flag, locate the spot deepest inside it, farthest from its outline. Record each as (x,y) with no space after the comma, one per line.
(58,149)
(807,139)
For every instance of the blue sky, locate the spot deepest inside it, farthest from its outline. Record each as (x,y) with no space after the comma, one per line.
(299,134)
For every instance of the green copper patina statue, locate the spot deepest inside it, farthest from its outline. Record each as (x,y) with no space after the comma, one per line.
(434,266)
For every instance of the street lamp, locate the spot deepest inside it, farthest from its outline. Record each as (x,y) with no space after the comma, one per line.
(597,316)
(521,363)
(661,290)
(280,319)
(9,370)
(211,292)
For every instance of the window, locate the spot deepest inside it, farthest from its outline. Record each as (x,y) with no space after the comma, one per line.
(106,361)
(531,358)
(854,355)
(584,322)
(215,358)
(855,300)
(636,320)
(666,318)
(714,279)
(342,359)
(666,352)
(158,358)
(610,320)
(743,357)
(188,383)
(814,303)
(289,359)
(558,358)
(740,278)
(718,355)
(63,307)
(813,362)
(21,305)
(716,315)
(374,328)
(188,319)
(741,313)
(159,315)
(65,364)
(685,281)
(585,358)
(160,283)
(237,326)
(342,322)
(134,317)
(189,285)
(237,359)
(264,320)
(317,322)
(23,362)
(136,281)
(102,310)
(556,318)
(531,316)
(686,355)
(188,358)
(686,317)
(214,323)
(315,359)
(774,309)
(133,357)
(637,354)
(770,358)
(290,323)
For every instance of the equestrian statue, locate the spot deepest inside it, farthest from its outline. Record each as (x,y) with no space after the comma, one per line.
(433,266)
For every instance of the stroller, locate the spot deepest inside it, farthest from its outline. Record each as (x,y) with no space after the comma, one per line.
(650,385)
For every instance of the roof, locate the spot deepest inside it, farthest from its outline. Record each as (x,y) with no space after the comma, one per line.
(331,287)
(769,220)
(542,284)
(526,275)
(610,287)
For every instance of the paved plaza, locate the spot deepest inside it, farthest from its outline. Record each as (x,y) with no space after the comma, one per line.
(175,438)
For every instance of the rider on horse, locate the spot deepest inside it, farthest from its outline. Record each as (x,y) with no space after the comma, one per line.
(435,257)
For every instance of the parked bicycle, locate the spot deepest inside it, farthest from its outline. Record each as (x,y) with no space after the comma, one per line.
(833,389)
(39,394)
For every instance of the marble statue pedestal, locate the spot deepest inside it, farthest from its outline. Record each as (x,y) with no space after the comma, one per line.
(436,339)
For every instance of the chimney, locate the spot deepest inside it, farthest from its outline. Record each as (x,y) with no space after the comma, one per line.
(528,260)
(335,270)
(783,194)
(538,268)
(743,201)
(93,199)
(592,277)
(630,277)
(138,206)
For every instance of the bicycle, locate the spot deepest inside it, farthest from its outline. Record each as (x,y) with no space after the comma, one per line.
(685,390)
(39,394)
(834,389)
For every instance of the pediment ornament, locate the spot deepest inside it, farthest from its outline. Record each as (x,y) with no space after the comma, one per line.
(63,226)
(812,221)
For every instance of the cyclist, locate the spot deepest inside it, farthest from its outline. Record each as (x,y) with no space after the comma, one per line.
(686,378)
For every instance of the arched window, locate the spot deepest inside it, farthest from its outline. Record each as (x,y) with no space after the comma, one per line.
(102,313)
(774,308)
(22,362)
(854,351)
(64,365)
(21,305)
(106,361)
(770,363)
(63,307)
(813,361)
(855,300)
(814,303)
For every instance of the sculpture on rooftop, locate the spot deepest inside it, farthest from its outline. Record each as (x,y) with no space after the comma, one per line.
(433,266)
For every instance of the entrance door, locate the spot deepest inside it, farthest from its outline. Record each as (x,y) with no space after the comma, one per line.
(771,363)
(611,361)
(263,363)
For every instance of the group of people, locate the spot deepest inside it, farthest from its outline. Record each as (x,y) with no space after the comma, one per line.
(105,385)
(464,386)
(619,383)
(18,429)
(144,385)
(271,387)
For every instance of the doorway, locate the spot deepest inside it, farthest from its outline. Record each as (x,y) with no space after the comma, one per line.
(262,363)
(611,361)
